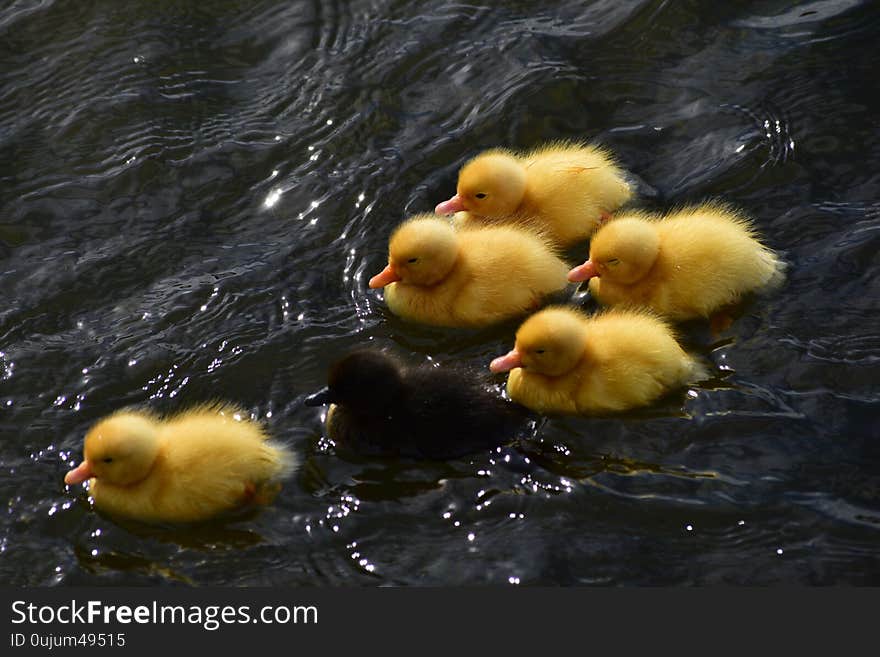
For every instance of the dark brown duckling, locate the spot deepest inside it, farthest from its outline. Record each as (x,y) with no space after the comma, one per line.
(380,406)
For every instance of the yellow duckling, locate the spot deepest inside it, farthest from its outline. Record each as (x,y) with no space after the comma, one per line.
(186,468)
(687,264)
(565,188)
(471,277)
(567,362)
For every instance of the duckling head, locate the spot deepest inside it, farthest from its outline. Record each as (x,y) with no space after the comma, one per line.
(491,185)
(550,342)
(422,251)
(623,251)
(366,382)
(120,450)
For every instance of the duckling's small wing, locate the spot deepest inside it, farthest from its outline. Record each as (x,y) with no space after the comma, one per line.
(455,414)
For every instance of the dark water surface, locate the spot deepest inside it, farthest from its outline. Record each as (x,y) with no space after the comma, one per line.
(194,196)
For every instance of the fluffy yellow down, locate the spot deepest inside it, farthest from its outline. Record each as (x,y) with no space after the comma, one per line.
(612,361)
(564,188)
(687,264)
(188,467)
(470,277)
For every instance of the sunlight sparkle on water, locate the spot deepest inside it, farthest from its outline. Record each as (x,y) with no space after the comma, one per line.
(272,198)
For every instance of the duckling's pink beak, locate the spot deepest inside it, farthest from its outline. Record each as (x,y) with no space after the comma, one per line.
(583,272)
(384,277)
(507,362)
(455,204)
(79,474)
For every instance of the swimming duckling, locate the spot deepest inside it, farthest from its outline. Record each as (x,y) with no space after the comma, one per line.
(565,188)
(472,277)
(381,407)
(187,468)
(564,361)
(687,264)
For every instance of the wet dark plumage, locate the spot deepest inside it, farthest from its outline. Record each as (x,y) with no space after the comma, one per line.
(384,407)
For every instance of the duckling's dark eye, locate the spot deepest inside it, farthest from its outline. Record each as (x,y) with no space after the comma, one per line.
(480,195)
(540,351)
(109,459)
(612,262)
(413,260)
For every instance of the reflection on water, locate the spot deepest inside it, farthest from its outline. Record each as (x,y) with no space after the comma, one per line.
(193,200)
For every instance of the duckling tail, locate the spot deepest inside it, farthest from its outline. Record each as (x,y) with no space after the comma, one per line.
(776,271)
(282,463)
(285,459)
(698,371)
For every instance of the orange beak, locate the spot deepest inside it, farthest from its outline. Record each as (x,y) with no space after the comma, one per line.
(505,363)
(583,272)
(384,277)
(455,204)
(79,474)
